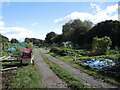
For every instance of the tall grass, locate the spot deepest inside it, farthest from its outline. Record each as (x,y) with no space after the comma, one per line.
(27,77)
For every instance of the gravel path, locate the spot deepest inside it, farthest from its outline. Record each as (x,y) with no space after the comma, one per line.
(49,78)
(97,83)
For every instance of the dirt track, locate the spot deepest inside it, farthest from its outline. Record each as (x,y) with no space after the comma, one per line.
(49,78)
(97,83)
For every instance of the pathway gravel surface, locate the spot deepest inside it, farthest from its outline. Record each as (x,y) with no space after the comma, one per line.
(49,78)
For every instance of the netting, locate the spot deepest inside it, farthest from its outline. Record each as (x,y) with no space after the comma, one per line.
(21,44)
(11,49)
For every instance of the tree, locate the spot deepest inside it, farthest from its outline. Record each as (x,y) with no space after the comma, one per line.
(67,31)
(27,40)
(76,30)
(35,41)
(108,28)
(88,24)
(50,37)
(14,40)
(58,39)
(101,46)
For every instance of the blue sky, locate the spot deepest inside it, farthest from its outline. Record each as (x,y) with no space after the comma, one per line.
(36,19)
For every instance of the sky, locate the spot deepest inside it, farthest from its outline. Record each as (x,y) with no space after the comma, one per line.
(36,19)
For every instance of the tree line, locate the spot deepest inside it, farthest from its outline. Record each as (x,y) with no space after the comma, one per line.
(82,33)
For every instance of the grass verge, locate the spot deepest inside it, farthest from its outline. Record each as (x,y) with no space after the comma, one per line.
(27,77)
(72,81)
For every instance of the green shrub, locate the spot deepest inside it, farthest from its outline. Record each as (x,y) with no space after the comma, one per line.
(64,44)
(58,51)
(101,46)
(54,49)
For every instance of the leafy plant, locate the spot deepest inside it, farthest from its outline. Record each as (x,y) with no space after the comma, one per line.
(101,46)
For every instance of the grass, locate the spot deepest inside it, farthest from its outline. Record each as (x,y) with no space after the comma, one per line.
(90,71)
(27,77)
(72,81)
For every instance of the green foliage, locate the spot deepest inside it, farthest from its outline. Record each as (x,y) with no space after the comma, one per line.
(64,44)
(108,28)
(50,37)
(76,30)
(13,40)
(58,51)
(101,45)
(34,41)
(4,43)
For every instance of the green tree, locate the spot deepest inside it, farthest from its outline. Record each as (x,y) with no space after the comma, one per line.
(76,30)
(50,37)
(101,46)
(27,40)
(58,39)
(13,40)
(67,30)
(35,41)
(108,28)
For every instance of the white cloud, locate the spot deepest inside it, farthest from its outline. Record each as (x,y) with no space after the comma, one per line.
(33,24)
(101,14)
(57,30)
(111,9)
(96,6)
(15,32)
(2,23)
(42,36)
(75,15)
(18,32)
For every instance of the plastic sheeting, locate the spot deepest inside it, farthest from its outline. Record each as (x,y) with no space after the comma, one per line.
(11,49)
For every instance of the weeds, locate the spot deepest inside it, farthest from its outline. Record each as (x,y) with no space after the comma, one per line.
(27,77)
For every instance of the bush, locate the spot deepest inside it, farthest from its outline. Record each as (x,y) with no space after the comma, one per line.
(54,49)
(101,46)
(58,51)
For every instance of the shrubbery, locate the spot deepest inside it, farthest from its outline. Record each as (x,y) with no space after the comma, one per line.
(70,52)
(58,51)
(100,46)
